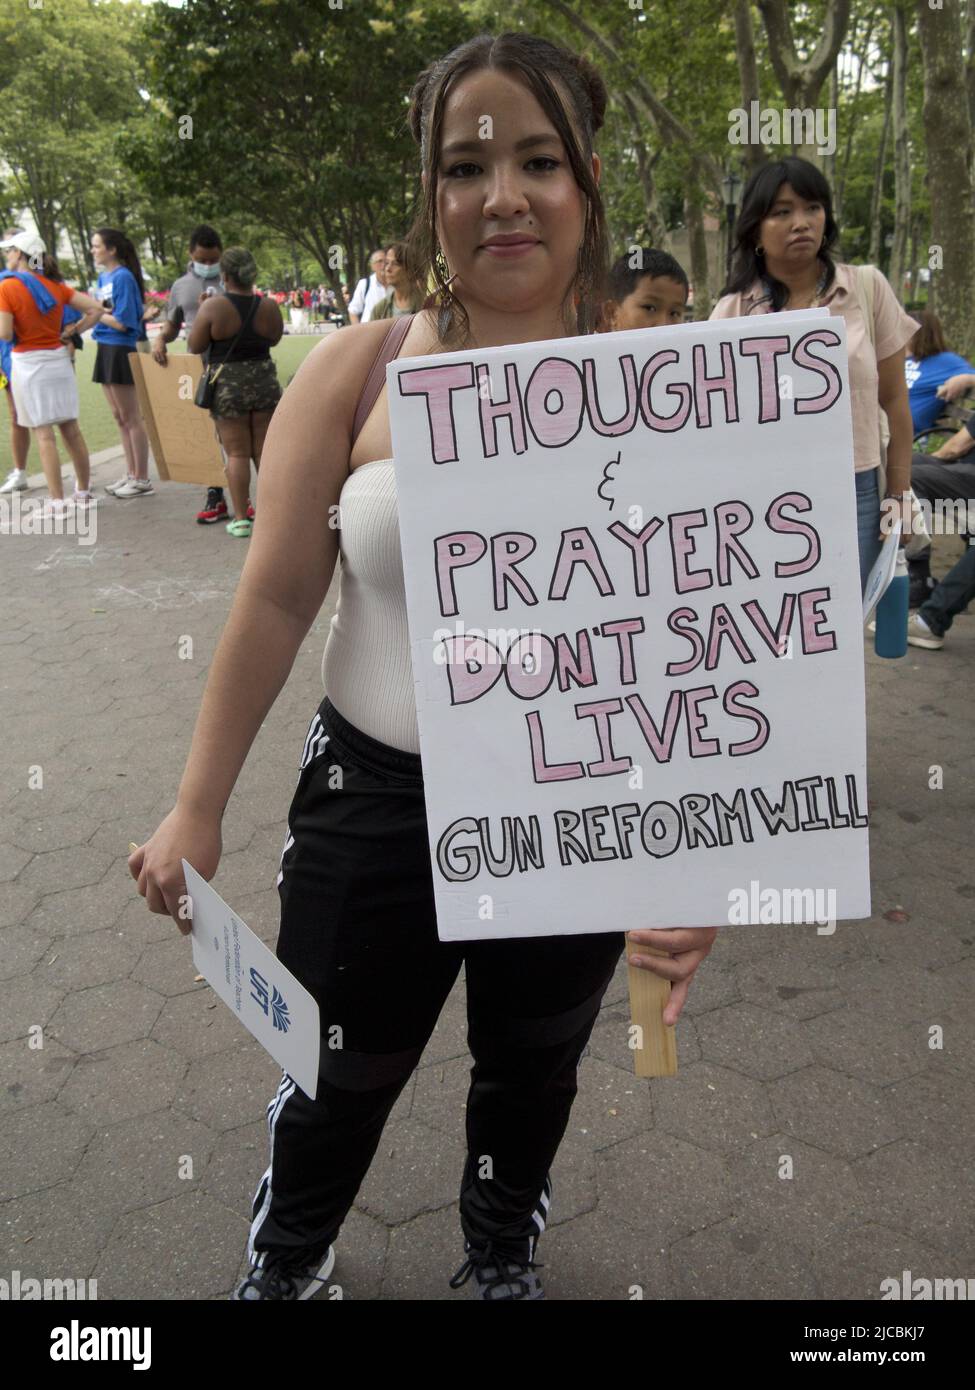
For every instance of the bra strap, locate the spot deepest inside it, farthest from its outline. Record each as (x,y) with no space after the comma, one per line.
(376,379)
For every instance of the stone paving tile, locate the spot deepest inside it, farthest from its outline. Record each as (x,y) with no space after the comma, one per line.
(854,1264)
(137,1162)
(167,966)
(29,1076)
(591,1257)
(692,1187)
(737,1259)
(414,1170)
(29,1003)
(21,947)
(39,1147)
(836,1112)
(784,1187)
(123,1082)
(93,1019)
(712,1106)
(923,1190)
(53,1233)
(887,1050)
(229,1088)
(158,1253)
(750,1040)
(197,1024)
(93,958)
(85,909)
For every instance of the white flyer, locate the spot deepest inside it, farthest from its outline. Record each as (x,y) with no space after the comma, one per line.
(251,981)
(878,580)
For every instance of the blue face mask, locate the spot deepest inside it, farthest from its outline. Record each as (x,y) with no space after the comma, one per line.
(207,271)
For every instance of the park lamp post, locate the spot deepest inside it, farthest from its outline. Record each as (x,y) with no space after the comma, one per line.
(731,193)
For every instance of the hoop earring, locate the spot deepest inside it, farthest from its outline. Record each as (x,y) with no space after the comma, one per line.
(759,250)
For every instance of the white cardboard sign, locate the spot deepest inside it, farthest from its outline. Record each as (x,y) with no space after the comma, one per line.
(636,627)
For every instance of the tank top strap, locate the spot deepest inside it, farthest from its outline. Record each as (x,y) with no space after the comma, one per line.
(376,379)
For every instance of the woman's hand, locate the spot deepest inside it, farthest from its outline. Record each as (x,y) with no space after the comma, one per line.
(156,865)
(956,386)
(894,507)
(686,947)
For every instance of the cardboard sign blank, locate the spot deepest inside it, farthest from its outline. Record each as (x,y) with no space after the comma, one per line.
(183,437)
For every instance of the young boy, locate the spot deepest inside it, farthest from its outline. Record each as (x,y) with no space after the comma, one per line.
(646,289)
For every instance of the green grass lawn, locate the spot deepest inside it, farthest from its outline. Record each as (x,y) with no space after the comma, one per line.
(97,424)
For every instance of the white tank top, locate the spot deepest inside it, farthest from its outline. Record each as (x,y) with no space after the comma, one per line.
(366,667)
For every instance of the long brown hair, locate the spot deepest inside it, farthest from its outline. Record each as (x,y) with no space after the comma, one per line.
(547,70)
(929,338)
(124,252)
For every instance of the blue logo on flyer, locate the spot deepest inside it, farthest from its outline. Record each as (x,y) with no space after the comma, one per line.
(273,1005)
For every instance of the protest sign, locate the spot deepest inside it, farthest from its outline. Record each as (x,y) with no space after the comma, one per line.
(183,438)
(634,603)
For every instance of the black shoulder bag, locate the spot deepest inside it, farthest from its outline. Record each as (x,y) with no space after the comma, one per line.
(207,388)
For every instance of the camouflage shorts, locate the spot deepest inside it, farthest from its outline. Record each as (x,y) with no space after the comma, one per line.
(245,386)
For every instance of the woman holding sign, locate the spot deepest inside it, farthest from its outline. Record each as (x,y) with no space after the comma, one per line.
(512,226)
(784,238)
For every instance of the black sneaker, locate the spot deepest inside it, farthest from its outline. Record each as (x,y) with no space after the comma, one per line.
(214,509)
(920,591)
(497,1276)
(279,1281)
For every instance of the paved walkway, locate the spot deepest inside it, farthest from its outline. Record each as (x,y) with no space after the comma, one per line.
(815,1047)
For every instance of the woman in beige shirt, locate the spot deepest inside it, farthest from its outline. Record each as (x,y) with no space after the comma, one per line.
(782,260)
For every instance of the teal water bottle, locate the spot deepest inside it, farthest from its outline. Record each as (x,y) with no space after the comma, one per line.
(890,637)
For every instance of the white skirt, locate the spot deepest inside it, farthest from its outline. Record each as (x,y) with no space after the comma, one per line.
(44,386)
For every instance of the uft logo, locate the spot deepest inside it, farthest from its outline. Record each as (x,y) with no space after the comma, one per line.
(274,1006)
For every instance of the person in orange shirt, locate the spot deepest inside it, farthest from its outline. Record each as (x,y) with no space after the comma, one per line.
(42,378)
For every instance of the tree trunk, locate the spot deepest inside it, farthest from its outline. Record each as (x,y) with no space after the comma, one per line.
(748,72)
(873,253)
(655,225)
(694,217)
(948,134)
(839,187)
(802,81)
(902,155)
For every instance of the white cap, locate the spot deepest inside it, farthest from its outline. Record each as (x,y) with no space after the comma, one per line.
(28,242)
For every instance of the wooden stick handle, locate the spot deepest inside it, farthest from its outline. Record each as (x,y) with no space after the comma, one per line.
(655,1053)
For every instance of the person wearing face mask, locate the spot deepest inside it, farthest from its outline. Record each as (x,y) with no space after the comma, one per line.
(514,233)
(201,281)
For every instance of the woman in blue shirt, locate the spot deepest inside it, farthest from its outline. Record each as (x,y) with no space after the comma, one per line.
(121,292)
(929,364)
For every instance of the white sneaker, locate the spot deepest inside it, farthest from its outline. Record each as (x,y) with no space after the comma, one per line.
(56,506)
(920,635)
(16,481)
(134,487)
(84,499)
(119,482)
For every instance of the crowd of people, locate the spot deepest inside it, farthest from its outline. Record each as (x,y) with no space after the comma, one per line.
(903,375)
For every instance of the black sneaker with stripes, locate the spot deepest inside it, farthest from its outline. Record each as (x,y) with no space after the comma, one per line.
(497,1276)
(278,1281)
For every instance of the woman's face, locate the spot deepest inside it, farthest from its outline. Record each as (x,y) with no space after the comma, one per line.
(394,271)
(99,251)
(510,214)
(792,231)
